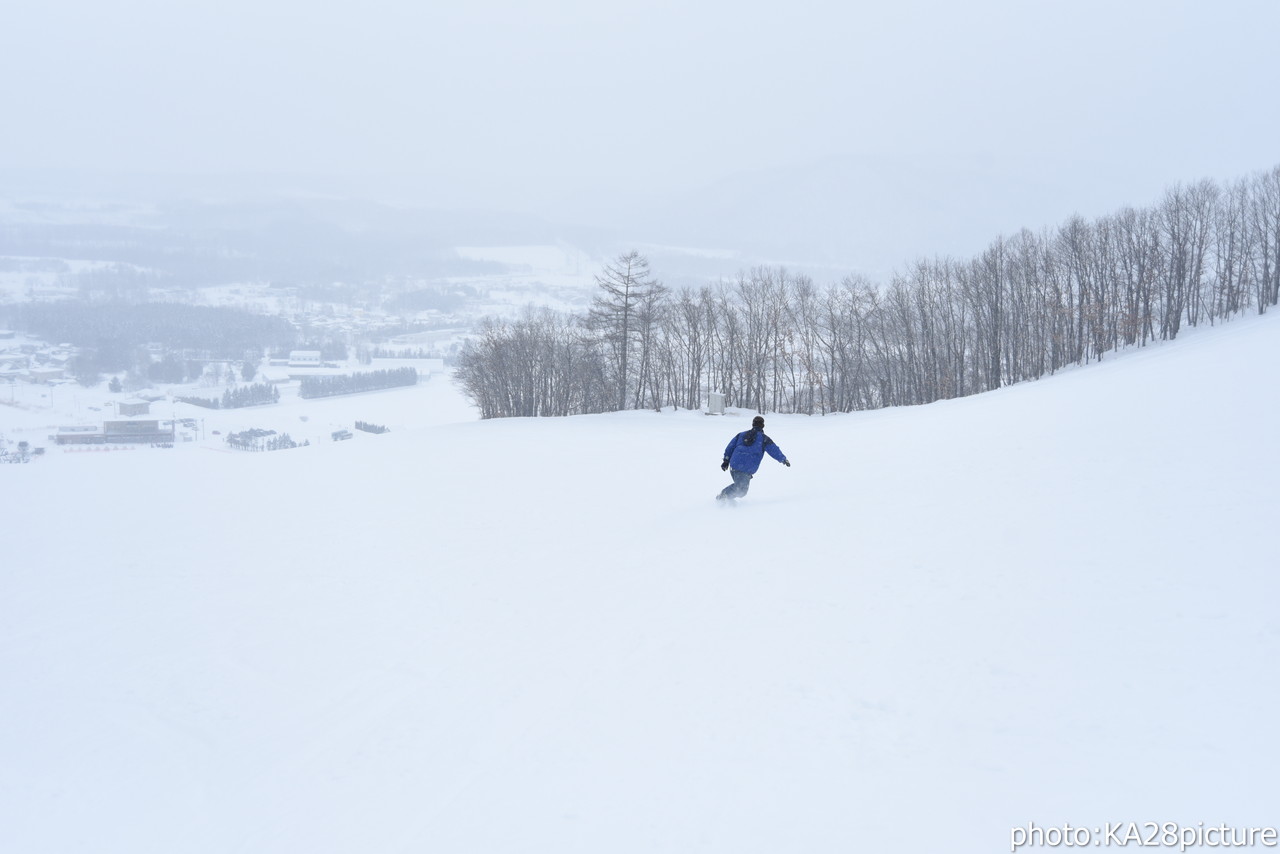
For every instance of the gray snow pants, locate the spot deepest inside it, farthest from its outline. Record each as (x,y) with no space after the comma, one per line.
(741,483)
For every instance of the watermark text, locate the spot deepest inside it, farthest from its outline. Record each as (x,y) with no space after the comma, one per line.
(1141,834)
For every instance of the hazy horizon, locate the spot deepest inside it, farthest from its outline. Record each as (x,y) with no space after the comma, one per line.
(854,135)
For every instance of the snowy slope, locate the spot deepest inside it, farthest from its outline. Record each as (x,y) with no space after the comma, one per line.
(1053,603)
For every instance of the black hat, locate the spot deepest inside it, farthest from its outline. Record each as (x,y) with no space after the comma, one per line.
(758,422)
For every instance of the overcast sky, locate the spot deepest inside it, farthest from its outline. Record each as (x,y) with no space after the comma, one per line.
(554,106)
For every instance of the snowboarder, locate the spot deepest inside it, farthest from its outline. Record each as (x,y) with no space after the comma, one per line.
(743,455)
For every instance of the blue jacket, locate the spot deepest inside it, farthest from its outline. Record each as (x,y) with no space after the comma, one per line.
(746,450)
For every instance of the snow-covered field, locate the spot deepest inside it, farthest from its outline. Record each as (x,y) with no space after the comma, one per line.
(46,277)
(559,277)
(1054,603)
(567,264)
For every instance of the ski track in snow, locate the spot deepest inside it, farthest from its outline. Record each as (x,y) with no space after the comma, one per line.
(1052,603)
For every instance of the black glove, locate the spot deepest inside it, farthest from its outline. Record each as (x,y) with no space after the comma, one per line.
(787,463)
(724,466)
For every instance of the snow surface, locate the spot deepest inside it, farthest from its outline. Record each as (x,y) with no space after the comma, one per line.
(1053,603)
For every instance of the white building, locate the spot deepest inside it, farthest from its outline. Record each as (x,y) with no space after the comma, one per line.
(304,359)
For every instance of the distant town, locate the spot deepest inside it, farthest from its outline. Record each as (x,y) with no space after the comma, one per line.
(72,397)
(101,356)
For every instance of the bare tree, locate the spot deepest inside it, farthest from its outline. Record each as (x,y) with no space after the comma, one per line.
(1264,233)
(1024,307)
(622,317)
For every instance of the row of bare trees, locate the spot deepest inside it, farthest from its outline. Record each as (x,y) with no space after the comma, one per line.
(773,341)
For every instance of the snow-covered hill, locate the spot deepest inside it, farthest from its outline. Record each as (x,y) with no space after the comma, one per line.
(1054,603)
